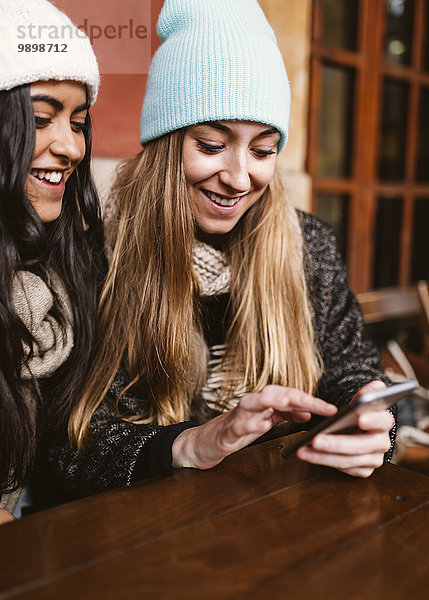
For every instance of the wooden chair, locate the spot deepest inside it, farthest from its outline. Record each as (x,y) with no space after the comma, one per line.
(391,306)
(409,307)
(423,291)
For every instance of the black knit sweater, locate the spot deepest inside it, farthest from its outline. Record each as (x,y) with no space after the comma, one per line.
(122,453)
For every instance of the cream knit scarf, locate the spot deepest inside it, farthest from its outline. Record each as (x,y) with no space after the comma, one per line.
(52,344)
(212,269)
(34,301)
(214,276)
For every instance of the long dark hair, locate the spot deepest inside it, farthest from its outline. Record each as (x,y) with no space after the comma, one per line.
(72,245)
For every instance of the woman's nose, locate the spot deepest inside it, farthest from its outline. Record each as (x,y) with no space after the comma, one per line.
(235,173)
(67,144)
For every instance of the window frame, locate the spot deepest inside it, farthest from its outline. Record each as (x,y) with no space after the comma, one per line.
(363,186)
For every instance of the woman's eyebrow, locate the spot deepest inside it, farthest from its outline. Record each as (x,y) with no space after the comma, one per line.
(271,131)
(57,104)
(84,106)
(216,125)
(49,100)
(222,127)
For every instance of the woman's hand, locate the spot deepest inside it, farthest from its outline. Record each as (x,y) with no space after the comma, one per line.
(205,446)
(356,454)
(5,516)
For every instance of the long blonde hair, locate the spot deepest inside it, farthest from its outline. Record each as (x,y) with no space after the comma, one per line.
(149,307)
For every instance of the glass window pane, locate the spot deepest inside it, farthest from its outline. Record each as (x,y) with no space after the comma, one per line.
(422,170)
(387,242)
(426,41)
(420,253)
(399,30)
(393,130)
(340,23)
(335,121)
(333,208)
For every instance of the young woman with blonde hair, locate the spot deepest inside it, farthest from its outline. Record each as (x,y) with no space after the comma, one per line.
(225,311)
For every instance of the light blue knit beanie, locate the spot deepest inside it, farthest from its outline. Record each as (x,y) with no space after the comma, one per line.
(218,60)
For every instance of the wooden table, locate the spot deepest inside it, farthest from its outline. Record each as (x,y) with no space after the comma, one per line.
(256,526)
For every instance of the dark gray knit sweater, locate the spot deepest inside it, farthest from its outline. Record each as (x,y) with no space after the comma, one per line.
(123,452)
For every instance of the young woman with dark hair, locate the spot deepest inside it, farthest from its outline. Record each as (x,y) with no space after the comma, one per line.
(225,311)
(50,236)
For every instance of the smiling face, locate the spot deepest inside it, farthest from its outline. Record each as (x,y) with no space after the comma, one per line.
(60,109)
(228,166)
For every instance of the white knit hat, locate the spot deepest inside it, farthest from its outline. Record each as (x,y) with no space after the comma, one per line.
(38,42)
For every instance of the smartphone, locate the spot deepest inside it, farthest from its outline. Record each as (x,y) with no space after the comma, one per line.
(345,421)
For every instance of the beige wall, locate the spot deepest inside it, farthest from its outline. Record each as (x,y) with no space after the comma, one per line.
(291,21)
(104,170)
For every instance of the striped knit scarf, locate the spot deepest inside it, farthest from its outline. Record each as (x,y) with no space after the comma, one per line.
(214,276)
